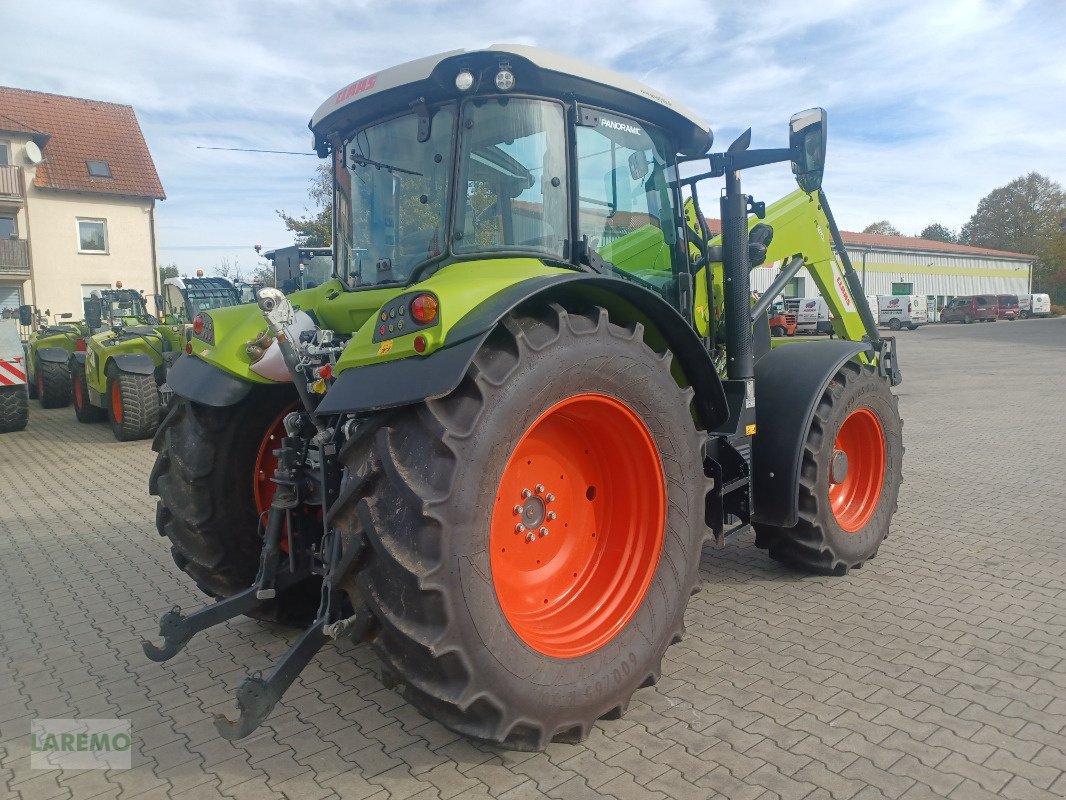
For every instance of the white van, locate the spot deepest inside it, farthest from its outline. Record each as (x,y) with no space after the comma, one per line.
(902,311)
(812,314)
(1034,305)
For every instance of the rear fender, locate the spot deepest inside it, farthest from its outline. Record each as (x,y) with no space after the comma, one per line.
(135,363)
(412,380)
(789,381)
(54,355)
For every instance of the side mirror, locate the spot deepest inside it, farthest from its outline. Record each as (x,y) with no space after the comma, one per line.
(158,300)
(66,315)
(26,316)
(93,312)
(806,140)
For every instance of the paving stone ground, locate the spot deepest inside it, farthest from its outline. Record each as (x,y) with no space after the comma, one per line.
(938,670)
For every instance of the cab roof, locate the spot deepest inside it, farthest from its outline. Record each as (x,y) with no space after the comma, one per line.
(536,71)
(199,283)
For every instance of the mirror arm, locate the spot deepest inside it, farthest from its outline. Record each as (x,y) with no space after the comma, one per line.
(746,159)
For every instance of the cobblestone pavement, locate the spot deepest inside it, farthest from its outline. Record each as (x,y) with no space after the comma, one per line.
(938,670)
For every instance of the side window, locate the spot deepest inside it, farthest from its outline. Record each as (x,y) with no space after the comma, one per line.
(627,208)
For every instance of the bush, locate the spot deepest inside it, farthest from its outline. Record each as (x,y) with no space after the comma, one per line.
(1057,310)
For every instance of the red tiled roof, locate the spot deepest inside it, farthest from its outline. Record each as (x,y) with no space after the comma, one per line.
(79,131)
(877,240)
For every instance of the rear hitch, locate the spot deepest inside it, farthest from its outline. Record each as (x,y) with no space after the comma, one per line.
(177,629)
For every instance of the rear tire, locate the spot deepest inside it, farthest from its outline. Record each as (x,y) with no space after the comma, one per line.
(430,488)
(912,327)
(894,324)
(777,330)
(204,477)
(84,410)
(842,525)
(134,404)
(53,384)
(14,408)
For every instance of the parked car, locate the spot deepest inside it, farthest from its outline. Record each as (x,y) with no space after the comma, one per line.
(975,308)
(812,314)
(1007,306)
(1034,305)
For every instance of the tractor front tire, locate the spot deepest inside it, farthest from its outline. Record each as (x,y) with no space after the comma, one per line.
(134,404)
(53,384)
(849,478)
(14,408)
(205,475)
(84,410)
(533,537)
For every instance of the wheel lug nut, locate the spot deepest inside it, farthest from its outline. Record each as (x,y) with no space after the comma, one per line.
(526,493)
(539,488)
(531,537)
(518,509)
(543,531)
(519,528)
(552,515)
(549,497)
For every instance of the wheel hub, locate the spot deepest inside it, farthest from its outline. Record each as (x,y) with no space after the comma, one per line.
(838,467)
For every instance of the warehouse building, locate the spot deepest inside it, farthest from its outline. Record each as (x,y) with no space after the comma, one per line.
(904,265)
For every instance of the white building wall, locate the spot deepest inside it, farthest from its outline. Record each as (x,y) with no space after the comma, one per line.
(60,270)
(932,274)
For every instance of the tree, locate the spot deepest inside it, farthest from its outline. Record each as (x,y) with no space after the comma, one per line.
(1025,216)
(168,271)
(936,232)
(884,228)
(226,268)
(315,229)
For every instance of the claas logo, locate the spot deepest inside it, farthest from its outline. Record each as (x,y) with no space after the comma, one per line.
(810,306)
(893,302)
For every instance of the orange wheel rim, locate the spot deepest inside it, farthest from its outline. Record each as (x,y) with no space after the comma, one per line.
(588,472)
(116,402)
(854,499)
(78,401)
(40,383)
(266,462)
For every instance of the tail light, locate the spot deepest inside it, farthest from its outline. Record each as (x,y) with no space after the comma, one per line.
(203,328)
(79,344)
(424,309)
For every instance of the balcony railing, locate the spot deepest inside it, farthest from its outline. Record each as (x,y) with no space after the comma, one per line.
(10,181)
(14,257)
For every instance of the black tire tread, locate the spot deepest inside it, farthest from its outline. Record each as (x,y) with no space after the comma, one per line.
(140,405)
(396,495)
(56,379)
(14,408)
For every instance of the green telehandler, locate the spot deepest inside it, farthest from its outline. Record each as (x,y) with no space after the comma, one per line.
(495,443)
(48,349)
(122,373)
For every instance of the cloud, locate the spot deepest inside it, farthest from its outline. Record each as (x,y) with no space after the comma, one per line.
(931,106)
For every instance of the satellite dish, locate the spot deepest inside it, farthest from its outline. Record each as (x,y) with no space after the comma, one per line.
(33,153)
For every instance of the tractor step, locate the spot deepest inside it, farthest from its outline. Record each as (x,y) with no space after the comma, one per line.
(177,629)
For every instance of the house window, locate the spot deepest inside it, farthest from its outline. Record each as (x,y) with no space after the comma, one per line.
(7,227)
(92,236)
(5,154)
(99,169)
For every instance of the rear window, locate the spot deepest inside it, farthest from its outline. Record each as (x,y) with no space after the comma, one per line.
(1009,301)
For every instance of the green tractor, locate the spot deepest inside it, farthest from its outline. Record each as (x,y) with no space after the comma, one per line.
(123,369)
(494,444)
(48,350)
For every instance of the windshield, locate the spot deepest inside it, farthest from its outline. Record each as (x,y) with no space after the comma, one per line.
(392,198)
(126,306)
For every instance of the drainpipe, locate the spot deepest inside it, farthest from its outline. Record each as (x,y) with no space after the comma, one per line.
(155,256)
(29,241)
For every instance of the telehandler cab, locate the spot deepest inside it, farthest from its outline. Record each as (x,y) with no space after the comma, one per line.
(496,444)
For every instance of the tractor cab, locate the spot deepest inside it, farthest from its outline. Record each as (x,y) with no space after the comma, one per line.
(505,153)
(184,298)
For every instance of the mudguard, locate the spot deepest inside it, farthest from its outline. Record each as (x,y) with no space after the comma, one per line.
(136,363)
(411,380)
(789,381)
(78,357)
(55,355)
(205,383)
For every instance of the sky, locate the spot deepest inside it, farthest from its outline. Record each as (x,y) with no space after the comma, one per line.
(931,104)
